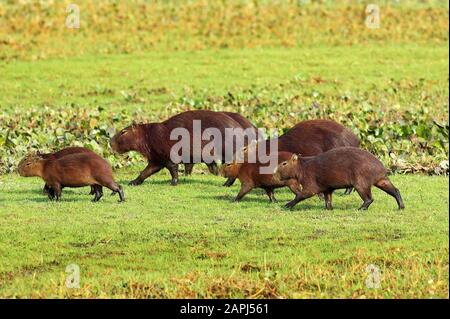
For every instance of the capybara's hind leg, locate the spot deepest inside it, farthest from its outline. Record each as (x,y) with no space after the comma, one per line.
(188,169)
(366,195)
(229,182)
(386,185)
(328,200)
(98,192)
(213,168)
(92,192)
(173,169)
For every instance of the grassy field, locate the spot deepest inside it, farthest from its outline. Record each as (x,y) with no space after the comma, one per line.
(191,241)
(67,87)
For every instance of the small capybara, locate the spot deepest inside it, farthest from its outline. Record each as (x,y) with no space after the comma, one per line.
(61,153)
(312,137)
(153,141)
(338,168)
(250,177)
(74,170)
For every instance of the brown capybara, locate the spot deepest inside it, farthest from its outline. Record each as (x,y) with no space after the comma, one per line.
(250,176)
(153,141)
(61,153)
(74,170)
(338,168)
(312,137)
(245,124)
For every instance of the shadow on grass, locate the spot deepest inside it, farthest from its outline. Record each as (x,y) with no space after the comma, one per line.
(263,199)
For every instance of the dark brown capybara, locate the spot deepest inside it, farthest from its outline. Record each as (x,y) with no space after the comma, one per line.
(250,176)
(74,170)
(153,141)
(245,124)
(312,137)
(61,153)
(338,168)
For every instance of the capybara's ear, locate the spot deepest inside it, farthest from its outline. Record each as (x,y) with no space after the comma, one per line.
(294,157)
(38,153)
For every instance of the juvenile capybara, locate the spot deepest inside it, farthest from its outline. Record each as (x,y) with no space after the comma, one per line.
(61,153)
(74,170)
(341,167)
(250,176)
(153,141)
(312,137)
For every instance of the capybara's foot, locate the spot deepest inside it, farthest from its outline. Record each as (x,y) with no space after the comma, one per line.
(348,191)
(174,182)
(366,204)
(135,182)
(121,194)
(290,205)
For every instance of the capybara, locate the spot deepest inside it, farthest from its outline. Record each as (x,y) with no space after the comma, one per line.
(153,141)
(312,137)
(338,168)
(74,170)
(61,153)
(250,177)
(245,124)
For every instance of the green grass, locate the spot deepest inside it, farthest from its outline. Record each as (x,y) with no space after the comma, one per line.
(192,241)
(151,80)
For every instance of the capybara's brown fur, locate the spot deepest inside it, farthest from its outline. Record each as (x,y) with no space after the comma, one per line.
(250,176)
(61,153)
(153,140)
(312,137)
(341,167)
(73,170)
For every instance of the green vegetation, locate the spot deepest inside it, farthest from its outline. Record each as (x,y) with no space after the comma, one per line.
(191,241)
(275,64)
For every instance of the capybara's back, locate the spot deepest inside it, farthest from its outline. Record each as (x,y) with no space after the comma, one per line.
(313,137)
(66,151)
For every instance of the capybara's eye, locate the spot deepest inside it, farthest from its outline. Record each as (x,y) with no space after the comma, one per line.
(284,164)
(228,165)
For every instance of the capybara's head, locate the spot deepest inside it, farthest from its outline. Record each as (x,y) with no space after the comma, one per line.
(287,169)
(30,165)
(230,170)
(126,140)
(243,154)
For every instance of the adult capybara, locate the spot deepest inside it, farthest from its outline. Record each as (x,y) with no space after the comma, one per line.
(61,153)
(74,170)
(312,137)
(250,176)
(338,168)
(154,142)
(244,124)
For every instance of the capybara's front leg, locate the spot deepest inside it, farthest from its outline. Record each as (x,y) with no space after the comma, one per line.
(173,169)
(151,169)
(188,167)
(245,188)
(213,168)
(271,195)
(348,190)
(229,182)
(298,198)
(57,190)
(366,195)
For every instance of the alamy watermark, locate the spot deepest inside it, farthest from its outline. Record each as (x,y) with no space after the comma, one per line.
(373,279)
(73,16)
(73,276)
(372,16)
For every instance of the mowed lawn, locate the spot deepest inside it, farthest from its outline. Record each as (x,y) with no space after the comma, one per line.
(192,241)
